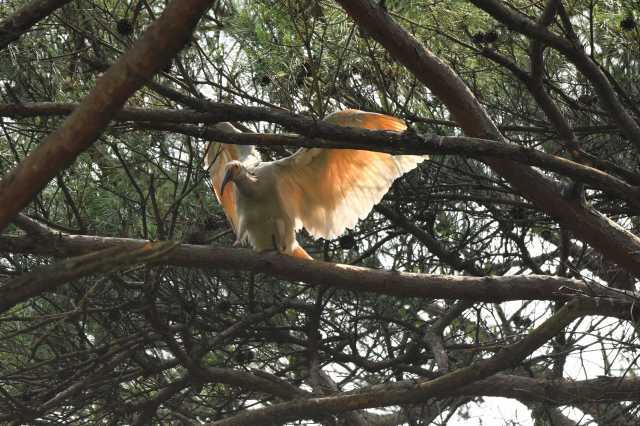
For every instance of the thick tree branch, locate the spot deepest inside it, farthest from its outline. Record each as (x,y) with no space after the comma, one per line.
(598,231)
(338,137)
(30,226)
(394,283)
(255,382)
(554,392)
(407,393)
(161,41)
(572,49)
(49,277)
(46,109)
(25,17)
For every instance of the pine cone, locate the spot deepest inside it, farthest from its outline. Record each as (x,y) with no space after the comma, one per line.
(628,23)
(521,322)
(491,36)
(197,238)
(125,27)
(243,356)
(346,242)
(479,37)
(212,222)
(224,306)
(518,212)
(586,100)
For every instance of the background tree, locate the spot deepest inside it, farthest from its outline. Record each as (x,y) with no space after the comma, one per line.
(516,241)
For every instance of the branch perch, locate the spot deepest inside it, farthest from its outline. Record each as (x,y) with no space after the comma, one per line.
(49,277)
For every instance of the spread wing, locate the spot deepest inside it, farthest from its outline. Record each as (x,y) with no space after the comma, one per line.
(225,153)
(328,190)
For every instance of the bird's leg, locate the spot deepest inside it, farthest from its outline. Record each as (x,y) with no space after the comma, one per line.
(280,224)
(241,230)
(273,243)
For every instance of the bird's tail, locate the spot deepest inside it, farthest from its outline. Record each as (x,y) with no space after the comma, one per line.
(299,252)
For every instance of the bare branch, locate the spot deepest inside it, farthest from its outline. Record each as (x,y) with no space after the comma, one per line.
(49,277)
(161,41)
(25,17)
(489,288)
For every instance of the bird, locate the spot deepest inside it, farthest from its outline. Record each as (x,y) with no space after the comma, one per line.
(325,191)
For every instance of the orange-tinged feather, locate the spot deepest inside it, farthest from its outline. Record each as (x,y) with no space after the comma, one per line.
(299,252)
(217,170)
(352,117)
(228,201)
(327,191)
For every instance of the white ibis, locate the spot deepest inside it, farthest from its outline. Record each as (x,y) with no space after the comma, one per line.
(322,190)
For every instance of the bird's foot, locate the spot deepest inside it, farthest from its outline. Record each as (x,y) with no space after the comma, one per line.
(274,246)
(277,248)
(237,244)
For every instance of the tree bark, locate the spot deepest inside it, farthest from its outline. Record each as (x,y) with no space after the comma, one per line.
(393,283)
(49,277)
(25,17)
(163,39)
(556,200)
(407,393)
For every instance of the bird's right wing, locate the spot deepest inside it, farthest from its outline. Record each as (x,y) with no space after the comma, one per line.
(218,155)
(328,190)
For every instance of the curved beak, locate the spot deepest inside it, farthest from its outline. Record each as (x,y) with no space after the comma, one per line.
(228,177)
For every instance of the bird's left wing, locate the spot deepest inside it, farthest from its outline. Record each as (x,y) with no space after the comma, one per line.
(218,155)
(328,190)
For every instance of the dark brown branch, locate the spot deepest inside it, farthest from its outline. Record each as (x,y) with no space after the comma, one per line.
(72,204)
(25,17)
(408,393)
(543,99)
(536,48)
(524,253)
(352,138)
(434,342)
(555,392)
(413,143)
(432,336)
(156,211)
(161,41)
(571,47)
(283,384)
(252,382)
(489,288)
(572,212)
(30,226)
(49,277)
(45,109)
(607,166)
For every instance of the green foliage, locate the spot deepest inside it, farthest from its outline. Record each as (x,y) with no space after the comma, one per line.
(308,57)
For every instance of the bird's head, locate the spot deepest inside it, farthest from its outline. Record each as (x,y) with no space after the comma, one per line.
(234,168)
